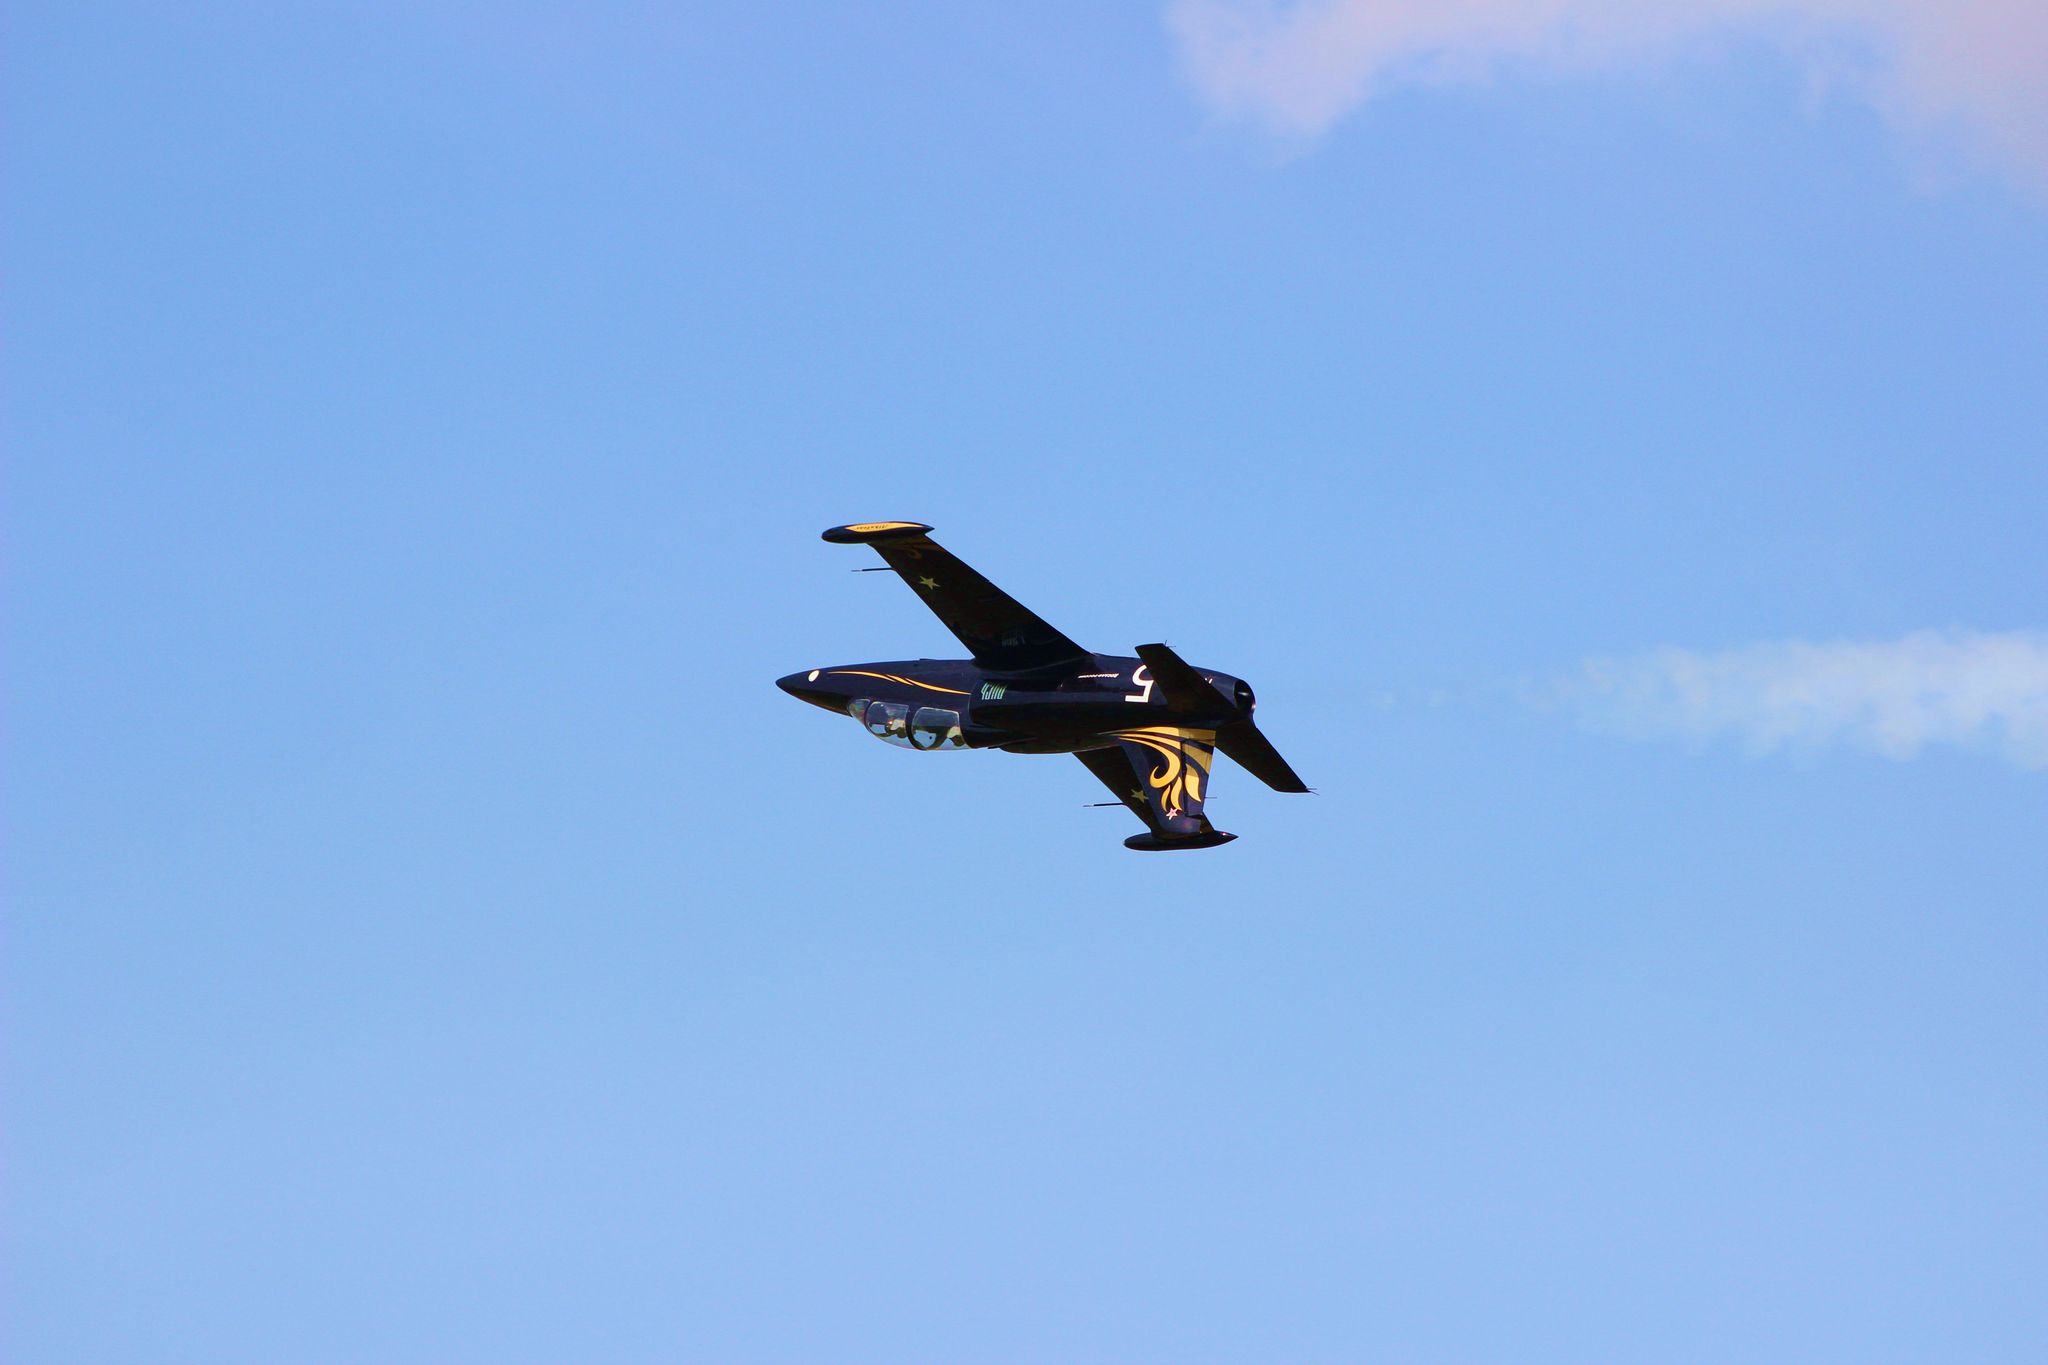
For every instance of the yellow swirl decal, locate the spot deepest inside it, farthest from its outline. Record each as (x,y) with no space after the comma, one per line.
(1185,762)
(868,527)
(897,678)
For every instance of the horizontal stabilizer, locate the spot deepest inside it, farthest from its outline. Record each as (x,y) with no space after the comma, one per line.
(1185,690)
(1255,753)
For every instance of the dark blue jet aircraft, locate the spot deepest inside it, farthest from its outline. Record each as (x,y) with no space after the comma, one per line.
(1148,726)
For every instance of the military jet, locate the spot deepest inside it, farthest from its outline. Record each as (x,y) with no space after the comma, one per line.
(1146,725)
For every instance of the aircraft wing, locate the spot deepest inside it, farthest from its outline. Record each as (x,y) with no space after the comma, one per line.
(999,631)
(1161,773)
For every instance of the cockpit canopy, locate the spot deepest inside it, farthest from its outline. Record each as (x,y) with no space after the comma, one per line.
(893,722)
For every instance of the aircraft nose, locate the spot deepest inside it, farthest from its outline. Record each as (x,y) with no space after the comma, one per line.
(804,687)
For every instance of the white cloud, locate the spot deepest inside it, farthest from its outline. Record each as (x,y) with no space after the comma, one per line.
(1986,691)
(1973,71)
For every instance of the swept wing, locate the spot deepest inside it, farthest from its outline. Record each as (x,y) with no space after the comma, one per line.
(1161,772)
(999,630)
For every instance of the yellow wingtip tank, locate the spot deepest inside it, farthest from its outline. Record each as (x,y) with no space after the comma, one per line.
(863,531)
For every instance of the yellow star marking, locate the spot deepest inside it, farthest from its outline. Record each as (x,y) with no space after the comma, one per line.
(931,583)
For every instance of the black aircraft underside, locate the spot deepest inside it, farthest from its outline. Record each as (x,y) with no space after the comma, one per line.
(1147,725)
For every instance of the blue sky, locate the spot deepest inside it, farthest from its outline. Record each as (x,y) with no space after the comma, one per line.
(1616,459)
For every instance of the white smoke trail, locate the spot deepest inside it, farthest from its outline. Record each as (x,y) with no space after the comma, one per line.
(1986,691)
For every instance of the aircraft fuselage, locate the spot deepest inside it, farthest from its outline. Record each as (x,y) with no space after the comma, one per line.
(1067,709)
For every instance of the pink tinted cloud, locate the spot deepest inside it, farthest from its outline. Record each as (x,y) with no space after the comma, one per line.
(1967,71)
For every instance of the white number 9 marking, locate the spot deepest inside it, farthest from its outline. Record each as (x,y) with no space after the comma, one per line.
(1142,677)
